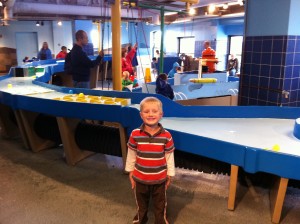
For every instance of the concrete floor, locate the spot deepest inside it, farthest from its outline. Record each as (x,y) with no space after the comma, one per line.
(40,188)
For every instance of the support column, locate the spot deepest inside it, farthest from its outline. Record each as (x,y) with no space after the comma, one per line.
(116,45)
(270,71)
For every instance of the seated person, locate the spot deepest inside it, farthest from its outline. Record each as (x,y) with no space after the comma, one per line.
(232,65)
(175,69)
(63,53)
(163,87)
(126,82)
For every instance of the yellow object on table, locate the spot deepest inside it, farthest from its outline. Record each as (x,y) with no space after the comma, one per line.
(203,80)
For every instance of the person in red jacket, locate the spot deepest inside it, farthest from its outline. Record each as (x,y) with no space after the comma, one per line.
(63,53)
(126,63)
(209,54)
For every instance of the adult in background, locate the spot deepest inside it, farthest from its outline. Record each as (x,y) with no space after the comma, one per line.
(232,65)
(210,54)
(45,53)
(80,62)
(63,53)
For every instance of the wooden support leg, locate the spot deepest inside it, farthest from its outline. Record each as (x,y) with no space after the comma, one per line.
(9,129)
(67,127)
(277,195)
(22,129)
(232,186)
(36,143)
(123,139)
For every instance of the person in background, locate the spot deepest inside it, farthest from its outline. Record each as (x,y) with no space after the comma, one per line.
(126,62)
(163,87)
(232,65)
(150,162)
(81,63)
(210,54)
(45,53)
(175,69)
(157,54)
(63,53)
(154,66)
(134,61)
(127,84)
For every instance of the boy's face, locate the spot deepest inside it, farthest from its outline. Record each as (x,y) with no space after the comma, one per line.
(151,114)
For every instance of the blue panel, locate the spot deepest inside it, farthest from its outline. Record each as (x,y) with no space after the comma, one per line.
(291,46)
(276,71)
(278,46)
(257,47)
(276,59)
(267,45)
(274,83)
(297,58)
(265,70)
(264,82)
(289,59)
(256,58)
(266,58)
(273,96)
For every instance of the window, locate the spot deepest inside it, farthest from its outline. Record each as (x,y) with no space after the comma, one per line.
(186,45)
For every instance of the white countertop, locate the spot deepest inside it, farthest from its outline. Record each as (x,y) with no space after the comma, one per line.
(261,133)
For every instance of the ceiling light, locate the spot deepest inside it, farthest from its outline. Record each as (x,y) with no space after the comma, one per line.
(1,4)
(37,23)
(211,8)
(192,11)
(59,23)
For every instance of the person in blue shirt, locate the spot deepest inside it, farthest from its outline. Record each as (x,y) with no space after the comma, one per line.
(45,53)
(176,67)
(163,87)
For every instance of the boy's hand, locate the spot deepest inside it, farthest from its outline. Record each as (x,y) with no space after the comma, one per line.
(168,182)
(132,181)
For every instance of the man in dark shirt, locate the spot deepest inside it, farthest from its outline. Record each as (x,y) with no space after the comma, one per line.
(80,62)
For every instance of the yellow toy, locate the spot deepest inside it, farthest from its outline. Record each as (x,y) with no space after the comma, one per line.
(203,80)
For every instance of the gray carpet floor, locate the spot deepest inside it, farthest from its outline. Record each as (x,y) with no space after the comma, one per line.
(40,188)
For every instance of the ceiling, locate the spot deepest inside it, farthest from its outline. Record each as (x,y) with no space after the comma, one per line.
(100,9)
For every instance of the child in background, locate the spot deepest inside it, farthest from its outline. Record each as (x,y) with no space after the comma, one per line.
(154,66)
(163,87)
(63,53)
(176,68)
(150,162)
(126,82)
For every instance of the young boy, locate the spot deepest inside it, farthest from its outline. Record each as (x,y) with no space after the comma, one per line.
(150,162)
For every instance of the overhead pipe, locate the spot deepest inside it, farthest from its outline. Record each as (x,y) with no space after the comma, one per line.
(189,1)
(8,10)
(38,8)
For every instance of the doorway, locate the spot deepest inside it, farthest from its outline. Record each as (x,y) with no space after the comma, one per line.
(235,47)
(30,49)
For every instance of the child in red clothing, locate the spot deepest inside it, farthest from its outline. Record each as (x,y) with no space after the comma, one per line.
(126,63)
(63,53)
(150,162)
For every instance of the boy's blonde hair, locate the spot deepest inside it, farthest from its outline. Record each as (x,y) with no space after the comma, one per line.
(151,99)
